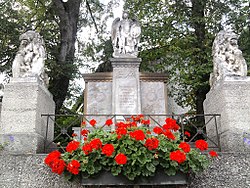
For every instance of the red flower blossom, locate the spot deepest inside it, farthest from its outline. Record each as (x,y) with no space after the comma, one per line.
(171,124)
(83,124)
(185,147)
(58,166)
(145,122)
(96,143)
(119,137)
(121,125)
(148,132)
(201,144)
(133,124)
(109,122)
(87,148)
(178,156)
(74,135)
(121,131)
(73,167)
(157,130)
(213,153)
(138,135)
(187,133)
(169,134)
(108,149)
(152,143)
(121,159)
(51,157)
(72,146)
(92,122)
(84,132)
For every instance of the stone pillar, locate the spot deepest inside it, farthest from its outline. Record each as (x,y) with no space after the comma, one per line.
(22,126)
(230,97)
(126,97)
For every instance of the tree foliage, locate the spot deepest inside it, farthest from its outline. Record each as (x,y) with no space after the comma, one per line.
(177,38)
(58,22)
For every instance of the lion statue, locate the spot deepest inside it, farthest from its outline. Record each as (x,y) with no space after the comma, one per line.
(227,57)
(30,58)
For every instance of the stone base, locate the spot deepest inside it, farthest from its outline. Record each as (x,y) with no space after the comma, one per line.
(24,101)
(22,143)
(230,98)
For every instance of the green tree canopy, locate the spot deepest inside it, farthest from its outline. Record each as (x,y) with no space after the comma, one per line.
(177,38)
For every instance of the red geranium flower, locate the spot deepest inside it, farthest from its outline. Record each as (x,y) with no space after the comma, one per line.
(119,137)
(109,122)
(96,143)
(121,159)
(169,135)
(178,156)
(213,153)
(133,124)
(145,122)
(171,124)
(152,143)
(83,124)
(121,125)
(108,149)
(121,131)
(74,135)
(58,166)
(84,132)
(51,157)
(157,130)
(201,144)
(73,167)
(187,133)
(185,147)
(138,135)
(72,146)
(92,122)
(87,148)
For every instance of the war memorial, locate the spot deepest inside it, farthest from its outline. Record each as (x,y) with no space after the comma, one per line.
(123,92)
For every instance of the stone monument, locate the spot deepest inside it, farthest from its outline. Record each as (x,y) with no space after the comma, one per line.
(230,93)
(26,98)
(125,91)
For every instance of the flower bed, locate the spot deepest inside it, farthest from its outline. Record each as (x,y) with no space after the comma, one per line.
(133,151)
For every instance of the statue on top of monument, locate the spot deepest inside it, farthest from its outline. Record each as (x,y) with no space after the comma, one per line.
(30,58)
(125,35)
(227,57)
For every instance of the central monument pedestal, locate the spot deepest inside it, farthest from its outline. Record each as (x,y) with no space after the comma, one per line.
(126,86)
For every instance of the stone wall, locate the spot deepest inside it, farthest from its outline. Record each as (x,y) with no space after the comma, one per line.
(230,170)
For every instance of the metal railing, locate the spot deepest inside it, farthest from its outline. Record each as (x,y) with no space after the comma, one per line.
(195,124)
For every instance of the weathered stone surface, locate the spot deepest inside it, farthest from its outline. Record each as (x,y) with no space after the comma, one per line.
(231,99)
(227,57)
(24,101)
(231,170)
(126,86)
(125,35)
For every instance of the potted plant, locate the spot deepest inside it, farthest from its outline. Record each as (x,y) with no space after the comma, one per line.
(134,151)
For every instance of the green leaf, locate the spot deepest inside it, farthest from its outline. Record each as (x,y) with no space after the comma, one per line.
(150,167)
(170,171)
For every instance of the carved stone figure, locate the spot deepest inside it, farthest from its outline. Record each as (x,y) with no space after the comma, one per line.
(125,35)
(227,57)
(29,60)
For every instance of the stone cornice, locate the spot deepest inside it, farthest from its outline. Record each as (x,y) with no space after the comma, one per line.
(107,77)
(98,77)
(153,77)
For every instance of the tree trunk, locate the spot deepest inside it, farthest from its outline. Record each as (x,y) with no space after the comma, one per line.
(198,21)
(68,14)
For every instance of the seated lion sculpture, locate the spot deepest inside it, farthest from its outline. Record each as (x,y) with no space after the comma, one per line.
(30,58)
(227,57)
